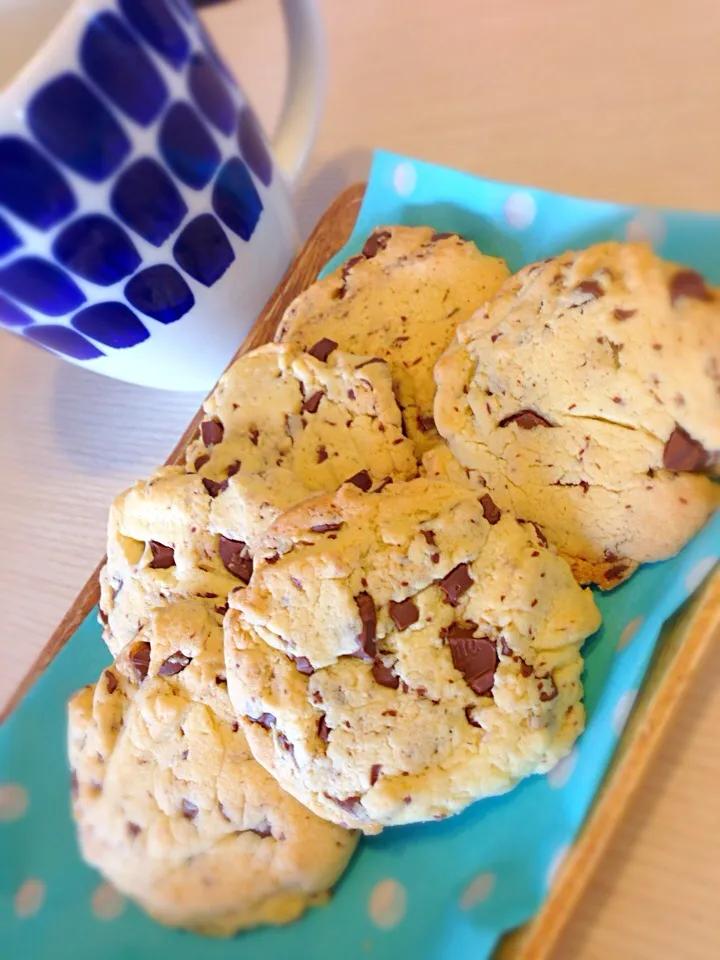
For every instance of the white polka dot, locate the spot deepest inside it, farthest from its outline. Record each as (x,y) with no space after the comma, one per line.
(404,178)
(555,864)
(388,903)
(628,632)
(29,898)
(13,801)
(562,771)
(107,903)
(520,210)
(622,710)
(646,225)
(477,891)
(698,573)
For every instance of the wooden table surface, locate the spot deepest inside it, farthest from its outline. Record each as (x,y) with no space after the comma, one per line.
(609,98)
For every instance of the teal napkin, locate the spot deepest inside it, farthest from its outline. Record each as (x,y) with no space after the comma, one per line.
(439,891)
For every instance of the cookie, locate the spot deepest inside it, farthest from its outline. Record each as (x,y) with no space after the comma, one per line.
(400,299)
(585,396)
(398,655)
(172,809)
(281,425)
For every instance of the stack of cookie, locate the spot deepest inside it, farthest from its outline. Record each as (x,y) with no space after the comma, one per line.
(399,568)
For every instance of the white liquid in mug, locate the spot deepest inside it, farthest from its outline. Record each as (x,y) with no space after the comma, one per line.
(24,26)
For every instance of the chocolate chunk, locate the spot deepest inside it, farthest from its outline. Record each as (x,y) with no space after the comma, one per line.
(621,314)
(189,810)
(212,432)
(350,263)
(323,729)
(689,283)
(375,771)
(366,363)
(366,637)
(139,658)
(550,694)
(476,658)
(220,680)
(526,420)
(425,423)
(201,460)
(285,744)
(236,558)
(254,435)
(505,648)
(378,240)
(266,720)
(404,613)
(304,666)
(589,290)
(162,556)
(313,402)
(491,511)
(435,557)
(236,725)
(443,236)
(322,454)
(111,683)
(175,663)
(233,468)
(525,668)
(102,617)
(326,527)
(350,804)
(459,631)
(214,487)
(429,537)
(133,829)
(322,349)
(361,479)
(383,483)
(683,453)
(470,719)
(263,829)
(385,676)
(616,572)
(456,583)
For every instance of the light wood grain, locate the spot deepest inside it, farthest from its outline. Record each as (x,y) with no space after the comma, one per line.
(608,98)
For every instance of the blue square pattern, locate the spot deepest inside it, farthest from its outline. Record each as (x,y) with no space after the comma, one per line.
(439,891)
(97,249)
(31,188)
(187,146)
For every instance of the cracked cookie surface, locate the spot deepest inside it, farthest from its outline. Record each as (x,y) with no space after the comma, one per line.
(171,807)
(398,655)
(400,299)
(585,396)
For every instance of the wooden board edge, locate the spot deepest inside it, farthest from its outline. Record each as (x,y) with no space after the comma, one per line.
(330,234)
(684,642)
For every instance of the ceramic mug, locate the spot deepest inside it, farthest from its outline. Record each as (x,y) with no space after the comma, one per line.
(144,220)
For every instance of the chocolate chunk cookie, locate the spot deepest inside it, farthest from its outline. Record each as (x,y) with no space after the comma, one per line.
(585,396)
(401,654)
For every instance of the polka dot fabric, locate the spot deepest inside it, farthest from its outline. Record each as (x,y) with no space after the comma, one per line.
(148,129)
(445,889)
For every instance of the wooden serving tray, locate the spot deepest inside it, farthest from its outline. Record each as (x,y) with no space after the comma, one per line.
(682,643)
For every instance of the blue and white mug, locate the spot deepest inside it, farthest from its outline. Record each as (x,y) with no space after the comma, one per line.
(144,219)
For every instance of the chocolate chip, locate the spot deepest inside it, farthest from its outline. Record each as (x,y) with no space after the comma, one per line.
(326,527)
(323,729)
(470,719)
(111,683)
(175,663)
(443,236)
(459,631)
(375,771)
(322,349)
(189,810)
(456,583)
(233,468)
(285,744)
(212,432)
(614,573)
(350,804)
(322,454)
(201,461)
(505,648)
(476,658)
(429,537)
(383,483)
(214,487)
(361,479)
(588,290)
(133,829)
(263,829)
(689,283)
(491,511)
(435,557)
(366,637)
(550,694)
(621,314)
(304,666)
(378,240)
(525,668)
(162,556)
(219,680)
(313,402)
(266,720)
(526,420)
(426,423)
(236,558)
(404,613)
(236,725)
(139,658)
(254,435)
(349,264)
(385,676)
(683,453)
